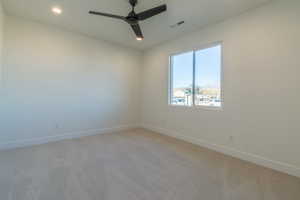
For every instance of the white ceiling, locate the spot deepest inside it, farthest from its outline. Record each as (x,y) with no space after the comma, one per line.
(75,17)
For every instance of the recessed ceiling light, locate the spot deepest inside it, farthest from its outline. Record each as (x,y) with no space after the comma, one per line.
(139,38)
(56,10)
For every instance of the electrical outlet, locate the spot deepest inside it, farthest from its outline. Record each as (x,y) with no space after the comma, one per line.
(231,139)
(57,126)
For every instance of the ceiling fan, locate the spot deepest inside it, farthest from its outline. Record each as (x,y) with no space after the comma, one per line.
(133,18)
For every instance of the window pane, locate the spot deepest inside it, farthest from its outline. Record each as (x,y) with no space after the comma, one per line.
(208,77)
(182,79)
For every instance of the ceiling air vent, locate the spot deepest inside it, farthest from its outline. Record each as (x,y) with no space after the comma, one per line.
(177,24)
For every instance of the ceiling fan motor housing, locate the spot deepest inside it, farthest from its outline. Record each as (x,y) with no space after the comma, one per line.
(132,18)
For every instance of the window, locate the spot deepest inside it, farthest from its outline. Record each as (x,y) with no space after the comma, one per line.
(195,78)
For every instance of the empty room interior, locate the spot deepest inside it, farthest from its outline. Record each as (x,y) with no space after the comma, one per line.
(149,100)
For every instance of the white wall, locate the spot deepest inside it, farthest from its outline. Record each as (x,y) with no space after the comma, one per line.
(58,82)
(261,88)
(1,41)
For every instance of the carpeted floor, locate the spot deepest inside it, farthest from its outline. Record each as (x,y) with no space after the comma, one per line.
(135,165)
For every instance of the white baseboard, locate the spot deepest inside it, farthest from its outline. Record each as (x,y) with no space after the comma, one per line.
(259,160)
(70,135)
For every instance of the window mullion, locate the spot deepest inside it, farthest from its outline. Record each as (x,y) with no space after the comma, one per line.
(194,77)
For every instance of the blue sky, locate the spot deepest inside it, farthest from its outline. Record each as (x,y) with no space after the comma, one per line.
(208,62)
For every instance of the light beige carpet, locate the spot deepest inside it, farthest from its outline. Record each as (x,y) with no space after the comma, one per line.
(135,165)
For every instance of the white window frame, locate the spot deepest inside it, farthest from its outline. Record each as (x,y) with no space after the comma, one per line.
(170,78)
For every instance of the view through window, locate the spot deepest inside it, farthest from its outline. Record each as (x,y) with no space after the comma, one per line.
(196,78)
(182,76)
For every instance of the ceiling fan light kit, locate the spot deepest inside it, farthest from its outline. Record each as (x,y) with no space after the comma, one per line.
(133,18)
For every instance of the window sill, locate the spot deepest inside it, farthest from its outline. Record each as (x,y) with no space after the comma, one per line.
(210,108)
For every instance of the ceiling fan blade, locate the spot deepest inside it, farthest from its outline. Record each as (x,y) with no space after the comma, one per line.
(137,30)
(152,12)
(107,15)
